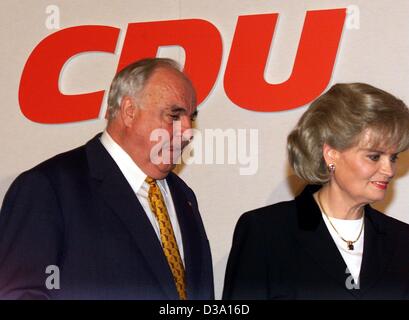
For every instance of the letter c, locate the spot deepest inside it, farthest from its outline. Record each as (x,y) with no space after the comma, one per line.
(39,96)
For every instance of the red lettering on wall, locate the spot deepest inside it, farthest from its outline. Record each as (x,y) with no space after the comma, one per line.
(199,38)
(41,101)
(244,81)
(39,96)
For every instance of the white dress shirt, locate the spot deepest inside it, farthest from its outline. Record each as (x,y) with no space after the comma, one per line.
(136,179)
(349,230)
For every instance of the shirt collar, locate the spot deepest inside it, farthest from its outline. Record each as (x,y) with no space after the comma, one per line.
(133,174)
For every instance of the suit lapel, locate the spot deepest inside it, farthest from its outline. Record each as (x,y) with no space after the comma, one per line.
(378,249)
(314,237)
(118,195)
(190,236)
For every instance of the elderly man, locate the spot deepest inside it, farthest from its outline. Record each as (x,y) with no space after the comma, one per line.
(109,220)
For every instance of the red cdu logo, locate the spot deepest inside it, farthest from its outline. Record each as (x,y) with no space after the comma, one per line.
(244,83)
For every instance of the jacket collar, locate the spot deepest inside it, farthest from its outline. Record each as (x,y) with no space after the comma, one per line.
(315,238)
(118,195)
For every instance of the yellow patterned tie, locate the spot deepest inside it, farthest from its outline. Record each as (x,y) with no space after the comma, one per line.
(169,244)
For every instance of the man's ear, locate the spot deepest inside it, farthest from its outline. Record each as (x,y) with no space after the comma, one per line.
(127,111)
(330,154)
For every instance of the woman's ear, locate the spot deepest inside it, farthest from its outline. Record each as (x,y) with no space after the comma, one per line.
(330,154)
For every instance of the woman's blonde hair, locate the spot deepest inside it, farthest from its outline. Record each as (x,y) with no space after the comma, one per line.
(339,118)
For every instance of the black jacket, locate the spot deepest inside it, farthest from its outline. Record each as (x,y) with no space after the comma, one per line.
(77,211)
(285,251)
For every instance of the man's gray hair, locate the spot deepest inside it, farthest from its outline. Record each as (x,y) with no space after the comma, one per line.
(131,80)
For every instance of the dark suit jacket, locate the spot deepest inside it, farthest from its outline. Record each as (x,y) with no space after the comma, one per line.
(78,212)
(285,251)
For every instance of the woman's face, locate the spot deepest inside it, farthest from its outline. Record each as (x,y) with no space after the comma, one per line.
(362,172)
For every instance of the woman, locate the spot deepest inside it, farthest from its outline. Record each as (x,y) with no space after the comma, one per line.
(329,243)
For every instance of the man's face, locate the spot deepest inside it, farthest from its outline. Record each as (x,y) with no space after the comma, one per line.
(165,108)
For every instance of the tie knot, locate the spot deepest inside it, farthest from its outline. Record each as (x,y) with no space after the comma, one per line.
(150,181)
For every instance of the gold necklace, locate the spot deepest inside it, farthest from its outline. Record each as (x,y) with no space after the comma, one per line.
(350,243)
